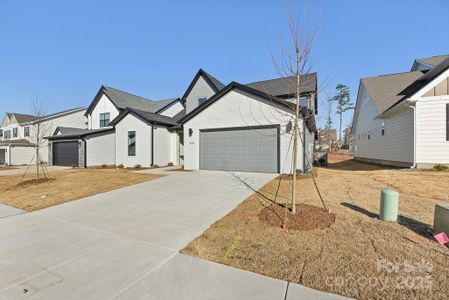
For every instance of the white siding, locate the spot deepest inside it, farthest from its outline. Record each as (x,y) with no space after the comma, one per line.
(163,146)
(201,89)
(173,109)
(237,109)
(143,142)
(104,105)
(397,143)
(100,149)
(432,147)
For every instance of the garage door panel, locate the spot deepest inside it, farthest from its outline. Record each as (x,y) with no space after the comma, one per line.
(65,153)
(247,149)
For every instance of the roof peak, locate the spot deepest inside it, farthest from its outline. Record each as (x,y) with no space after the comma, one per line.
(125,92)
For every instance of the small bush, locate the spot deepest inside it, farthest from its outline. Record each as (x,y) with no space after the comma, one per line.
(155,167)
(120,166)
(138,166)
(104,166)
(170,164)
(440,168)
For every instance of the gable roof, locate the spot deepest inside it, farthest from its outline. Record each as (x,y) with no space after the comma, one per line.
(69,130)
(433,60)
(286,86)
(145,116)
(422,81)
(213,82)
(23,118)
(75,133)
(234,85)
(385,90)
(123,100)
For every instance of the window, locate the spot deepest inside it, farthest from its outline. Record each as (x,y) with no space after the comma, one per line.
(26,131)
(14,132)
(201,100)
(1,133)
(7,134)
(104,119)
(131,143)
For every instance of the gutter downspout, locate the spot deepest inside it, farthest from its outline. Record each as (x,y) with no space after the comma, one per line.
(412,104)
(152,145)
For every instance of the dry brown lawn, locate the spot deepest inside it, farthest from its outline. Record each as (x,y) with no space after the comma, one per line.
(4,168)
(358,256)
(66,185)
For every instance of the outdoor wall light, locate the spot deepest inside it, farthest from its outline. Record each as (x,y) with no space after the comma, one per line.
(190,132)
(288,128)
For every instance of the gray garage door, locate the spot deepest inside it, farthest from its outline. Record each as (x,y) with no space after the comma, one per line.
(65,154)
(244,149)
(2,156)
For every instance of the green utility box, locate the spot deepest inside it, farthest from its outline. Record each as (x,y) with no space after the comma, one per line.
(389,203)
(441,219)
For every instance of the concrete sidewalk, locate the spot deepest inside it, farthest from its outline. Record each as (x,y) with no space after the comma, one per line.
(9,211)
(125,244)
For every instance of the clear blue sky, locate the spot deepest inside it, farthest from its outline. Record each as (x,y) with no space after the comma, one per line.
(63,51)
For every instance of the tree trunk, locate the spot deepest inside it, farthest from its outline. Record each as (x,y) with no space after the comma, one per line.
(37,151)
(339,134)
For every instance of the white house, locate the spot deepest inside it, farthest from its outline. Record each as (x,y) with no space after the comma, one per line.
(18,134)
(403,119)
(212,126)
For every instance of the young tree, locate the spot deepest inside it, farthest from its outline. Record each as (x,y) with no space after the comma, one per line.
(344,104)
(293,63)
(38,131)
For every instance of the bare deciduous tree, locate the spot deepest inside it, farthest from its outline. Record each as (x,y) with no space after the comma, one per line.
(293,63)
(38,131)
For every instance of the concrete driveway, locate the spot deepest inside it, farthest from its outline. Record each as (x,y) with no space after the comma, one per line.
(125,244)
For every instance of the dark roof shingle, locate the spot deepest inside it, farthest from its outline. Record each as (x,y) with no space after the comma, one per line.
(386,90)
(286,86)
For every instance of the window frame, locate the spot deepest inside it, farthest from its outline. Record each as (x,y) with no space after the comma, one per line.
(15,132)
(103,120)
(26,131)
(130,142)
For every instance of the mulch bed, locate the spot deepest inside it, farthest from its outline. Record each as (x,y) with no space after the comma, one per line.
(34,181)
(307,217)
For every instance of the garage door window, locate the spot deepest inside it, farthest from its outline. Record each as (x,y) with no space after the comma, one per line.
(131,143)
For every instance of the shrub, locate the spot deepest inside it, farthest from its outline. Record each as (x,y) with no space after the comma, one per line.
(138,166)
(104,166)
(170,164)
(120,166)
(440,167)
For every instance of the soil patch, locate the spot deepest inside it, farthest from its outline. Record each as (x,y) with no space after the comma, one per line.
(307,217)
(33,182)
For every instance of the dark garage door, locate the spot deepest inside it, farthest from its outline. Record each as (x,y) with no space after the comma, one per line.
(65,154)
(243,149)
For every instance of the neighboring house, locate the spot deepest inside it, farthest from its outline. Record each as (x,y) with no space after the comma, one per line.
(326,139)
(18,134)
(403,119)
(213,126)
